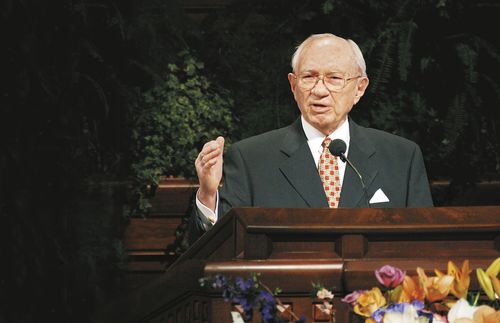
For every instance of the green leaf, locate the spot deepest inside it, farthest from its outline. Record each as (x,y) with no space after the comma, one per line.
(328,6)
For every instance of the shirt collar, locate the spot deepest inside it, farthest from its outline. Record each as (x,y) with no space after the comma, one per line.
(315,137)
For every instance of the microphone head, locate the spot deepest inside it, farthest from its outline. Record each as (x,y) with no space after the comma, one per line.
(337,147)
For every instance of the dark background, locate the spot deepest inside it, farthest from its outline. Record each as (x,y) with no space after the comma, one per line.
(73,79)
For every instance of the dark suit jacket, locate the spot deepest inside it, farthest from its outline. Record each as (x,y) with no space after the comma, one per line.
(276,169)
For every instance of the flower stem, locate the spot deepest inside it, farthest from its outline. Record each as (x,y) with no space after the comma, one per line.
(295,317)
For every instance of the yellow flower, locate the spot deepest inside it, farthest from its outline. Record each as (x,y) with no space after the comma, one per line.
(369,301)
(493,271)
(488,280)
(411,290)
(435,288)
(494,268)
(461,282)
(495,282)
(486,283)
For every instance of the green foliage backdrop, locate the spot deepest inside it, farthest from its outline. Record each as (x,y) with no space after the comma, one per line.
(432,65)
(173,120)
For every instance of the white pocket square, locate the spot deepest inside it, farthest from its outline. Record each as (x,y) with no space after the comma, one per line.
(379,197)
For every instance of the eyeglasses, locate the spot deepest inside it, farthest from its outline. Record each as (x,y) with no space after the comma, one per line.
(334,81)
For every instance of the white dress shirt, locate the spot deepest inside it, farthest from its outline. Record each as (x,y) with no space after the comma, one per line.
(314,140)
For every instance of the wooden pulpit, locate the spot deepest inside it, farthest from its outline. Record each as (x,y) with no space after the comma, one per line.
(293,248)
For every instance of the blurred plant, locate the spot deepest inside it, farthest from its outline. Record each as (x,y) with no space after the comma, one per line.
(252,42)
(68,89)
(173,120)
(432,68)
(63,118)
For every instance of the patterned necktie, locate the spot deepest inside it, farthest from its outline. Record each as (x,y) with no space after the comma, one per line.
(329,174)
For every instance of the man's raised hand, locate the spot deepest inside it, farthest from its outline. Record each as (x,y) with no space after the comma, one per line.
(209,170)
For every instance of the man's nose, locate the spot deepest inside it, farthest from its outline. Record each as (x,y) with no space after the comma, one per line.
(320,88)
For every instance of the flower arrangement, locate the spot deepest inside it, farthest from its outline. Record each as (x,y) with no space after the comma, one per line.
(443,298)
(326,297)
(252,294)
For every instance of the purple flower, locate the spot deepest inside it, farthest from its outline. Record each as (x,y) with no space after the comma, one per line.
(399,312)
(220,281)
(267,298)
(247,306)
(397,307)
(228,293)
(244,285)
(419,305)
(378,315)
(267,306)
(427,314)
(390,276)
(352,298)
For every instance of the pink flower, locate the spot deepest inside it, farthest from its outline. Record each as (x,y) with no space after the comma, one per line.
(390,276)
(352,297)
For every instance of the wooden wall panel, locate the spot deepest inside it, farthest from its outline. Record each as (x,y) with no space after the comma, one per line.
(147,237)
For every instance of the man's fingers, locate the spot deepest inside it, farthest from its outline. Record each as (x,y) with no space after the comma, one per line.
(211,146)
(210,154)
(211,149)
(205,158)
(209,163)
(220,142)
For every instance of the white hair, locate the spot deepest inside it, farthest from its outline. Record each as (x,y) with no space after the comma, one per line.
(357,54)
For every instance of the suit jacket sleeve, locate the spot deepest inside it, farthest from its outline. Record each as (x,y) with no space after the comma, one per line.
(419,194)
(235,190)
(197,223)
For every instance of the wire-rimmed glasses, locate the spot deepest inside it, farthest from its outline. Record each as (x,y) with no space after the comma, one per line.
(333,81)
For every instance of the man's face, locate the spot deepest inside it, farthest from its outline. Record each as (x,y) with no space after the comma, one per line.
(322,108)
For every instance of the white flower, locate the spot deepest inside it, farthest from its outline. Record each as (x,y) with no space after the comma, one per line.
(410,315)
(326,308)
(324,293)
(439,319)
(461,309)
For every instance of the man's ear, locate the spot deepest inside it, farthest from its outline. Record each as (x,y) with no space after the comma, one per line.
(293,82)
(361,88)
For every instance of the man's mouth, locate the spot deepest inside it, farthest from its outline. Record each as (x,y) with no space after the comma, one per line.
(318,107)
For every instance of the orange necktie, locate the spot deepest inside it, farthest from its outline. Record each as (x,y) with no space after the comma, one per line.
(329,174)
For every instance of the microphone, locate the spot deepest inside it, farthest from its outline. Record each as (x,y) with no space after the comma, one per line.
(338,148)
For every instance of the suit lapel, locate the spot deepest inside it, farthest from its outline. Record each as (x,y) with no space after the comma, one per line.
(299,168)
(360,154)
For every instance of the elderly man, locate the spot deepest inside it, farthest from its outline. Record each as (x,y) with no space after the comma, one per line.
(292,166)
